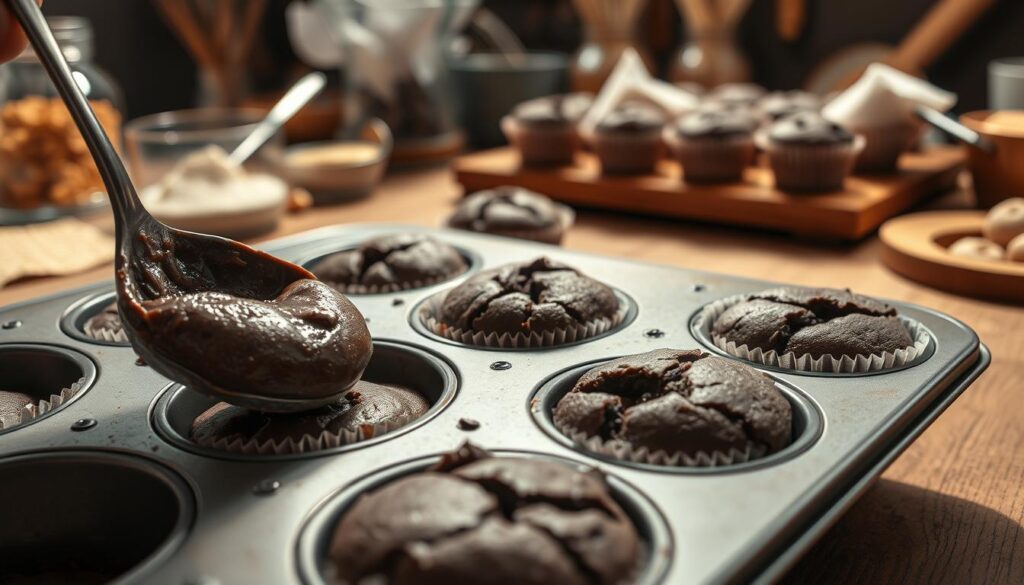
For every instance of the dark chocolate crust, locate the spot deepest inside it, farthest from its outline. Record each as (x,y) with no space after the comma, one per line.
(11,403)
(816,321)
(476,518)
(361,408)
(716,124)
(504,210)
(808,129)
(632,118)
(745,94)
(678,401)
(529,297)
(779,104)
(394,259)
(553,110)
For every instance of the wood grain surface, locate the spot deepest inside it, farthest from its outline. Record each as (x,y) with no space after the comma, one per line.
(949,510)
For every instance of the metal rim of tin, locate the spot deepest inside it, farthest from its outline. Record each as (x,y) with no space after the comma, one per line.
(417,324)
(702,336)
(72,322)
(473,262)
(67,357)
(176,486)
(315,534)
(176,406)
(808,425)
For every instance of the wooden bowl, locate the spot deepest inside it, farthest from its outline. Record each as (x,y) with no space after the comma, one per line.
(915,246)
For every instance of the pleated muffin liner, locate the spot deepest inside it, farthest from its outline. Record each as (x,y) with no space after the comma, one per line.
(810,167)
(305,444)
(38,409)
(711,160)
(108,334)
(551,234)
(429,316)
(623,451)
(622,153)
(845,364)
(542,146)
(391,287)
(884,145)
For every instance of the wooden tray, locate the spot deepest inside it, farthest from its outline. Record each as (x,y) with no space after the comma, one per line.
(851,214)
(915,246)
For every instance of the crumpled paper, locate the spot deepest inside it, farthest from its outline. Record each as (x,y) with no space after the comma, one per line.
(884,95)
(630,80)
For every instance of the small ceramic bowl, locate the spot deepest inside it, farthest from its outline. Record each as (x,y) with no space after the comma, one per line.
(340,170)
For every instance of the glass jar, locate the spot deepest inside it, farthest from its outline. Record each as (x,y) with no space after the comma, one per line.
(46,170)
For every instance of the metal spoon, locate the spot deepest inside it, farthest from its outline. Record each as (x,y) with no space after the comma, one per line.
(286,107)
(154,260)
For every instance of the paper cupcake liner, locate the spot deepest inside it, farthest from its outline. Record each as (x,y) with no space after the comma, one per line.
(108,334)
(374,289)
(432,308)
(845,364)
(810,168)
(883,146)
(32,411)
(542,145)
(623,451)
(711,160)
(305,444)
(551,234)
(626,154)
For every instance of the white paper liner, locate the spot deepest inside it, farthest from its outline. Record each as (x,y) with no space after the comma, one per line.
(432,307)
(108,334)
(32,411)
(374,289)
(846,364)
(305,444)
(623,451)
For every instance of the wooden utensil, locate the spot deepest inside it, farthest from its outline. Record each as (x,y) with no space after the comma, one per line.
(939,29)
(916,245)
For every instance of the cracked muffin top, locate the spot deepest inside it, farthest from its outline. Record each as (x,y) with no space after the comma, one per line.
(529,297)
(474,517)
(815,321)
(395,259)
(505,209)
(678,401)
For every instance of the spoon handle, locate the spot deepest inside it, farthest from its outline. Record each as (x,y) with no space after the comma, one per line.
(292,101)
(123,199)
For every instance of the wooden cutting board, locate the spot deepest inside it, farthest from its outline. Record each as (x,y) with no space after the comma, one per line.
(851,214)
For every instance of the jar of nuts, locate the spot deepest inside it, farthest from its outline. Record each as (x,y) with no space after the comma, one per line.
(45,167)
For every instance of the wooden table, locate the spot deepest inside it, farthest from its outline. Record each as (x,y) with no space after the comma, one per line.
(949,510)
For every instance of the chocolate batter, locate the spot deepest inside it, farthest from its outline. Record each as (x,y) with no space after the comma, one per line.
(239,324)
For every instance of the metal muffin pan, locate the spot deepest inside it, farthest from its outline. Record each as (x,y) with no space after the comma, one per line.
(741,524)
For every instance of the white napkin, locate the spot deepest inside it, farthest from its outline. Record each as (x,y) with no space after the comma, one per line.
(631,80)
(884,96)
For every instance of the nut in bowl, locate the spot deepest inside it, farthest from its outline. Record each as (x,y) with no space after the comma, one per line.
(342,170)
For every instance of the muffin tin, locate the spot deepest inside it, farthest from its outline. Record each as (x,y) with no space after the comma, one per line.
(217,518)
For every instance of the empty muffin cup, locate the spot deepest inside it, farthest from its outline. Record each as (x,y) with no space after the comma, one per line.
(38,380)
(806,423)
(89,517)
(655,550)
(410,384)
(920,347)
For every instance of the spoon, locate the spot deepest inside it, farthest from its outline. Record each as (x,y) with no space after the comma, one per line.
(286,107)
(954,128)
(216,280)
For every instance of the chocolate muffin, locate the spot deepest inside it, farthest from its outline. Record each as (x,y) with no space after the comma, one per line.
(743,94)
(815,321)
(628,140)
(779,104)
(105,325)
(713,146)
(11,405)
(363,410)
(526,299)
(389,263)
(512,212)
(476,518)
(544,129)
(809,153)
(678,402)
